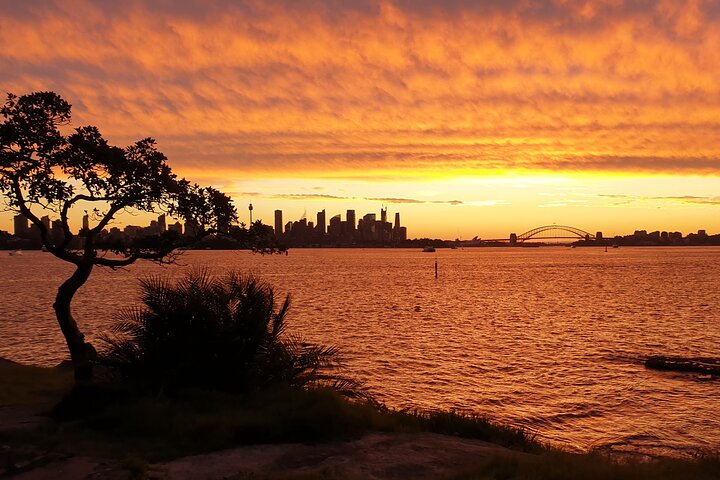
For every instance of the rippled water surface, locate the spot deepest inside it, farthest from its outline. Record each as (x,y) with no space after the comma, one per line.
(551,339)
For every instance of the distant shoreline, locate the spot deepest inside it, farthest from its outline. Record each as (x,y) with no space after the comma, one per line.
(412,247)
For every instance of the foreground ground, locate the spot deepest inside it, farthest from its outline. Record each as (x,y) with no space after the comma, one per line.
(374,456)
(285,437)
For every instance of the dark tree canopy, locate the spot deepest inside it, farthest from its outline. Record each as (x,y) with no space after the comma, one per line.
(209,209)
(43,170)
(40,168)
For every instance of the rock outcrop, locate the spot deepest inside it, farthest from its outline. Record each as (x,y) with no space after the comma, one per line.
(703,365)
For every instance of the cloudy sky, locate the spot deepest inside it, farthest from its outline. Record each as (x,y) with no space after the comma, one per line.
(469,117)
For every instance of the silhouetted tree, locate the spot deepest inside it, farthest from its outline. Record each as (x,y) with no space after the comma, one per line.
(211,211)
(43,169)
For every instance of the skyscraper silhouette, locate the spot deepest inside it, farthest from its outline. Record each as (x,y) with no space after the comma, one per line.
(20,224)
(351,223)
(278,224)
(320,224)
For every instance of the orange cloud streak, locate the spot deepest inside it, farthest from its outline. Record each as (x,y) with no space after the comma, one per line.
(604,86)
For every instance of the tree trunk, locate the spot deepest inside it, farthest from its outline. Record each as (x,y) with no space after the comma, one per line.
(82,353)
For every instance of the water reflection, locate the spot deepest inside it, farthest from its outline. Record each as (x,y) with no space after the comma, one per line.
(551,339)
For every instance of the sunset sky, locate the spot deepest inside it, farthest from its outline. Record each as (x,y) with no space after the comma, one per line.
(469,117)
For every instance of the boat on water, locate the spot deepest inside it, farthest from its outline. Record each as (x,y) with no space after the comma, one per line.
(428,249)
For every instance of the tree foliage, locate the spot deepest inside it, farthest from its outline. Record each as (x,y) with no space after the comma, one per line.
(210,210)
(42,168)
(45,170)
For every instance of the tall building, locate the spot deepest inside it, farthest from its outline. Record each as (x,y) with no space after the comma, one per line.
(20,224)
(176,227)
(335,227)
(191,229)
(278,224)
(396,227)
(367,228)
(321,221)
(162,223)
(351,224)
(57,234)
(133,231)
(381,230)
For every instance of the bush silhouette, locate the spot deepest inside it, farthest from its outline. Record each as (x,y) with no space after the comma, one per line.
(224,333)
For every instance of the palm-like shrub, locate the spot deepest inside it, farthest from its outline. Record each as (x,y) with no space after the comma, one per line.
(224,333)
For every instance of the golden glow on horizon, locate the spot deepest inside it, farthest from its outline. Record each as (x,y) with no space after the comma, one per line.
(399,99)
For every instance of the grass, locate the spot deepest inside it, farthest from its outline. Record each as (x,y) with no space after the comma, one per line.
(121,425)
(26,385)
(114,422)
(467,425)
(138,430)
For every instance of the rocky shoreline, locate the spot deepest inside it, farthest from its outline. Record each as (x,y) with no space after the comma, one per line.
(374,456)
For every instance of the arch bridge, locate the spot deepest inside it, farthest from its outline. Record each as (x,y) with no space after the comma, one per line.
(552,232)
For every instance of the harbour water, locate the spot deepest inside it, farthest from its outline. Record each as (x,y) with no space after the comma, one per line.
(548,339)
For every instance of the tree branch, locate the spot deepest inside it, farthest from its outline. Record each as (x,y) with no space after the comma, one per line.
(64,220)
(59,252)
(66,208)
(114,208)
(124,262)
(116,263)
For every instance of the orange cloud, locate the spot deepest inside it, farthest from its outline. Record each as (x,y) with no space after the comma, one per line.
(319,86)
